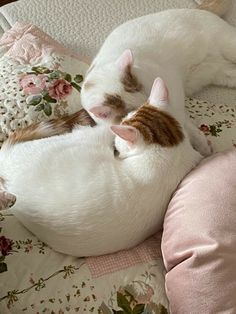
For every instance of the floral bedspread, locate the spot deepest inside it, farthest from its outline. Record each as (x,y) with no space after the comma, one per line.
(40,79)
(216,121)
(35,279)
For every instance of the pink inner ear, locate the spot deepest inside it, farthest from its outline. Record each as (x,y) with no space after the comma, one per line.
(126,59)
(159,92)
(102,112)
(128,133)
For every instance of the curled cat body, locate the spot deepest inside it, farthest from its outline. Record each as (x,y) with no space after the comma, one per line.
(82,196)
(188,48)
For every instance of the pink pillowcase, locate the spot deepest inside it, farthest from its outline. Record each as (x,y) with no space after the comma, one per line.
(199,239)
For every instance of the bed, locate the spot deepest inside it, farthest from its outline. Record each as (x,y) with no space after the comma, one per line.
(34,278)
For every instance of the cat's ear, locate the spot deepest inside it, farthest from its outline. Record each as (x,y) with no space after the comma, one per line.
(125,60)
(101,112)
(159,93)
(127,133)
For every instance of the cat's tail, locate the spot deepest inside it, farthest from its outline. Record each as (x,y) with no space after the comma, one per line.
(219,7)
(49,128)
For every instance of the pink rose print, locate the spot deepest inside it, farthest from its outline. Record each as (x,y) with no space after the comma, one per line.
(5,245)
(141,291)
(28,248)
(146,295)
(229,125)
(33,84)
(60,89)
(205,129)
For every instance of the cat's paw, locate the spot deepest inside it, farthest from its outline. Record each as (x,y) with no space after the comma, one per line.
(7,200)
(198,139)
(202,145)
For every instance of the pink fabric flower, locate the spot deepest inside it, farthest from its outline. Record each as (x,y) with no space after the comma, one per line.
(205,129)
(5,245)
(145,295)
(33,84)
(60,89)
(28,248)
(141,291)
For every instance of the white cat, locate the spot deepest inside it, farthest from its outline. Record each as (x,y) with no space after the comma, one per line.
(76,195)
(188,48)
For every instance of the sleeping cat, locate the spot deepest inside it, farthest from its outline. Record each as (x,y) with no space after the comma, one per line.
(90,192)
(188,48)
(41,130)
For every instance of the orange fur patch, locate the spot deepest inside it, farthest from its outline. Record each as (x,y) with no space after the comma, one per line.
(50,128)
(130,82)
(116,103)
(80,117)
(215,6)
(156,126)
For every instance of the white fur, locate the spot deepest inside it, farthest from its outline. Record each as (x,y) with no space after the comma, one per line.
(188,48)
(76,196)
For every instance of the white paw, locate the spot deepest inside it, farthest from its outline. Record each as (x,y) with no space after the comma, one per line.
(201,144)
(198,139)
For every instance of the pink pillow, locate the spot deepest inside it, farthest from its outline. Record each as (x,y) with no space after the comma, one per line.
(199,239)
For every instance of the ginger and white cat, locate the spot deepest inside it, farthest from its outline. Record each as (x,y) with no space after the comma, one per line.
(75,194)
(188,48)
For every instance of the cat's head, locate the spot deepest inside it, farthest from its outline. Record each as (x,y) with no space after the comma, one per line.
(151,124)
(111,91)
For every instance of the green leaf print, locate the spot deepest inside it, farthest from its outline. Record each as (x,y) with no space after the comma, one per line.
(33,100)
(39,107)
(55,75)
(47,109)
(214,130)
(41,70)
(163,310)
(138,309)
(3,267)
(68,77)
(49,98)
(76,86)
(123,303)
(78,78)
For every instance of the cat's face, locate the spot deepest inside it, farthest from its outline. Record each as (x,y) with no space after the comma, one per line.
(110,92)
(150,124)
